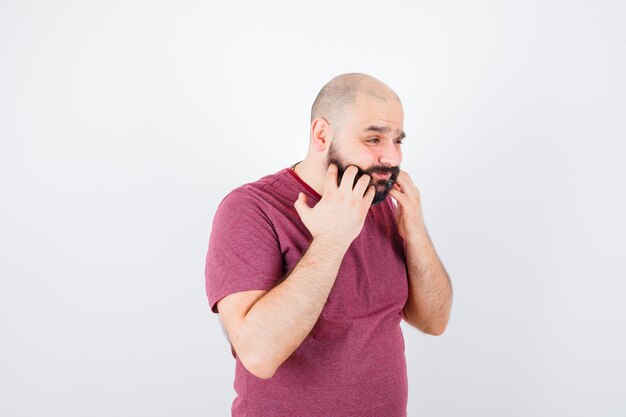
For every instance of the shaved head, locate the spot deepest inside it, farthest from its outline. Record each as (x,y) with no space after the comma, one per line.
(342,91)
(358,120)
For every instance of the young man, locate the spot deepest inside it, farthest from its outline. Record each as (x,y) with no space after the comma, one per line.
(312,268)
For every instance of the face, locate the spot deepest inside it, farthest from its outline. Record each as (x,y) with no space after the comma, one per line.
(370,139)
(383,180)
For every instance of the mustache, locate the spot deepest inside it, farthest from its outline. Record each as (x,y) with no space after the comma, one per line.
(394,171)
(386,184)
(376,169)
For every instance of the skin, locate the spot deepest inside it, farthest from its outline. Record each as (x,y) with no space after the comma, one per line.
(266,327)
(278,321)
(430,290)
(363,149)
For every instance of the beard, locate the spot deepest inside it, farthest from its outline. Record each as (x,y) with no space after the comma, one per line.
(382,186)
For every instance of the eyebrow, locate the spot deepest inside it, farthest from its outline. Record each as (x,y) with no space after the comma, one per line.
(383,129)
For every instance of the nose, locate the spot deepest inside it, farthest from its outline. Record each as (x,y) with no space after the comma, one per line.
(390,154)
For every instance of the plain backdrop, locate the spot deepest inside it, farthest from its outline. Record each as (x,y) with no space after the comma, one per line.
(124,123)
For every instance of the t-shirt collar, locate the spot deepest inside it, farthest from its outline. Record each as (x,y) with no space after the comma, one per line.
(304,184)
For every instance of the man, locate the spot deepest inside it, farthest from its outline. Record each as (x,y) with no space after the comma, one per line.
(312,268)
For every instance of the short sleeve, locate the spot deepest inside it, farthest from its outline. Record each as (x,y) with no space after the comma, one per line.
(244,253)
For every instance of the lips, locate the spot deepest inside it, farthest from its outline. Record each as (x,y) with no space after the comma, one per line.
(383,176)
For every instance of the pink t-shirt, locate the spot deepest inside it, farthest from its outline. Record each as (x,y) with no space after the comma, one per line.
(352,363)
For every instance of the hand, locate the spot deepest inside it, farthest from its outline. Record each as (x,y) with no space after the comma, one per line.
(409,214)
(341,212)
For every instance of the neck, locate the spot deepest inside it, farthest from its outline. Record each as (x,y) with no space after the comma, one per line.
(313,174)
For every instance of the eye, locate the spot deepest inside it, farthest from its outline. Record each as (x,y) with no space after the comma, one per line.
(373,140)
(399,141)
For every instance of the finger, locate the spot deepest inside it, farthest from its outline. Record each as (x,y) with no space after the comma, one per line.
(397,195)
(330,183)
(400,182)
(347,181)
(408,178)
(405,183)
(369,194)
(301,206)
(361,185)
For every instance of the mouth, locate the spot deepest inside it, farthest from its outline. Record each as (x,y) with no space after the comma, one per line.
(384,176)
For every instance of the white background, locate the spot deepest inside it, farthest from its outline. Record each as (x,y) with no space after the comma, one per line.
(123,124)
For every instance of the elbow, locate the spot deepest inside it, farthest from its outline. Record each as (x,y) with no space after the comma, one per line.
(259,368)
(263,372)
(436,331)
(262,366)
(264,375)
(428,327)
(254,363)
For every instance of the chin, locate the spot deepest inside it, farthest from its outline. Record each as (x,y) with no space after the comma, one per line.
(379,199)
(381,195)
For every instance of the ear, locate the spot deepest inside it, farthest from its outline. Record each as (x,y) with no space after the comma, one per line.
(321,134)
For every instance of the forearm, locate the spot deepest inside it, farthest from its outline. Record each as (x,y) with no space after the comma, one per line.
(430,291)
(279,321)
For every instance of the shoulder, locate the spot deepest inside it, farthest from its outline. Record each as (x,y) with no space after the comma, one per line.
(251,197)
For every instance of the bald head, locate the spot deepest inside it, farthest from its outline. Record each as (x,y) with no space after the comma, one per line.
(336,97)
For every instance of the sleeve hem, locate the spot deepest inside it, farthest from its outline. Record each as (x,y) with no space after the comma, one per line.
(213,300)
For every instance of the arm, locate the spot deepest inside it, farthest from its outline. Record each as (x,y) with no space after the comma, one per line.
(279,322)
(430,290)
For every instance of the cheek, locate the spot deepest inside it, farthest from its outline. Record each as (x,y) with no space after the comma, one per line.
(363,157)
(369,156)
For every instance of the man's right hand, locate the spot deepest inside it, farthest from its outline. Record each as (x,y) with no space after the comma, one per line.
(341,212)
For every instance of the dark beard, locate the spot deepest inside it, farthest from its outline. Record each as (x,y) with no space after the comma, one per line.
(382,186)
